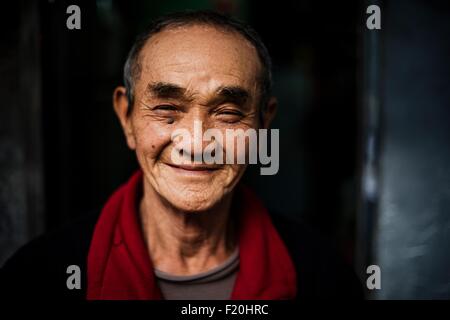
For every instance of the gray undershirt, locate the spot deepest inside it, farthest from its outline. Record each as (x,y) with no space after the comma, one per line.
(214,284)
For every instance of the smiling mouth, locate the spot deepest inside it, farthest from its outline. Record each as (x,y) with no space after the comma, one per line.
(194,168)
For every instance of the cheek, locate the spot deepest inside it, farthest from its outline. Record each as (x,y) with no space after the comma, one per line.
(241,147)
(234,173)
(151,138)
(229,177)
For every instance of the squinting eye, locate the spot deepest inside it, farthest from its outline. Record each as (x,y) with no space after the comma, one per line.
(230,113)
(165,107)
(230,116)
(233,113)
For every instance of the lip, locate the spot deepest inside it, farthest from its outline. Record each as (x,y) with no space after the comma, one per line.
(193,168)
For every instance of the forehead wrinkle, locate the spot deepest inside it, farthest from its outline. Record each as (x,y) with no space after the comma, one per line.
(212,75)
(169,39)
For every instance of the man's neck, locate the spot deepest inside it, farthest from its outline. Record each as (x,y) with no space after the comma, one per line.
(185,243)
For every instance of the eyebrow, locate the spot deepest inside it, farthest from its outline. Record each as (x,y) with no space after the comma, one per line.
(233,94)
(164,90)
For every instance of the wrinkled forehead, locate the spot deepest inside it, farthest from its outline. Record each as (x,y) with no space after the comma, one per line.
(200,55)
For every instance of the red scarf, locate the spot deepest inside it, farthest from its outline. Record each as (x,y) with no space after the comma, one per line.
(119,265)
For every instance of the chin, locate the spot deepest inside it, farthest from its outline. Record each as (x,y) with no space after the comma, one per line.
(193,200)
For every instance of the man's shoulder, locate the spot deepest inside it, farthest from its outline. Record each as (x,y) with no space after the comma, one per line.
(321,270)
(40,266)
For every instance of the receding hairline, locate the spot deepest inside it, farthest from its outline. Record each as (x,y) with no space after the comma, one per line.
(182,26)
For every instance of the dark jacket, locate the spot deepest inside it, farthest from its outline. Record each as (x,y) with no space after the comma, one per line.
(38,269)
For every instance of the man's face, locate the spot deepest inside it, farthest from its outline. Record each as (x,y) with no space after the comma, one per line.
(194,73)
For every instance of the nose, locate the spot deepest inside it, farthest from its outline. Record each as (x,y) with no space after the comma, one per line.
(192,147)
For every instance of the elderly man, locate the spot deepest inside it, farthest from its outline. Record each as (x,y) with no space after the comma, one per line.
(189,229)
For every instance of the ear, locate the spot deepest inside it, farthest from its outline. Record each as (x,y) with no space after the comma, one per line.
(270,112)
(120,103)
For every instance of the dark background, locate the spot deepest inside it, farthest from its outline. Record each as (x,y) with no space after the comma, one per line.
(363,118)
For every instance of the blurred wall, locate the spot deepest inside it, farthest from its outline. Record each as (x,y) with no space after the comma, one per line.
(21,168)
(408,101)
